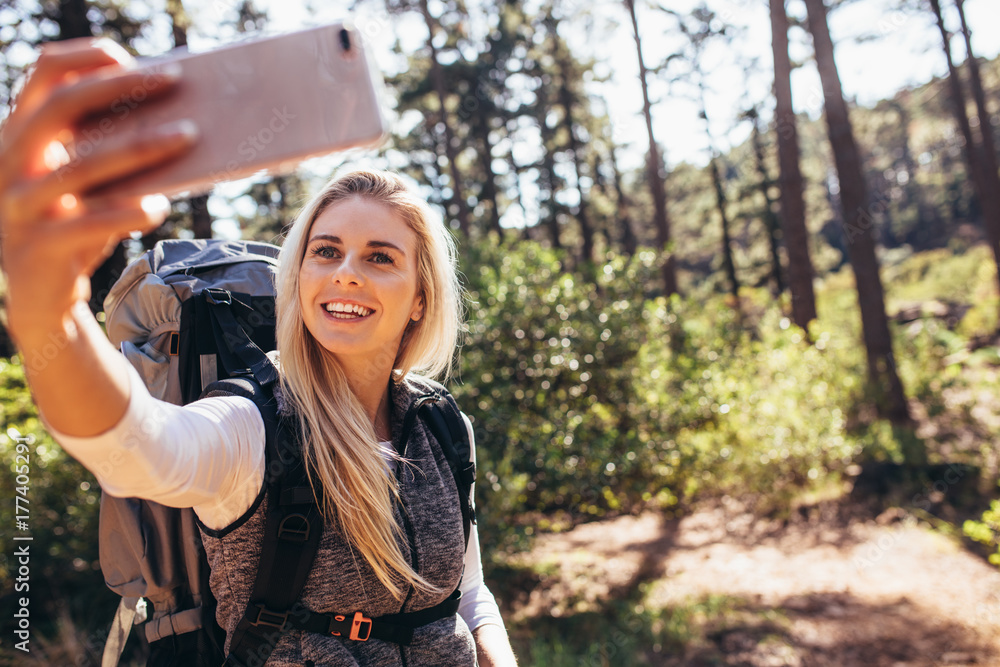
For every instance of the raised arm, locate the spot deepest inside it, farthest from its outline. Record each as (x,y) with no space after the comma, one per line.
(54,232)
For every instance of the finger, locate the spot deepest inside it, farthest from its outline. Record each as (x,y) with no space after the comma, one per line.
(92,217)
(60,60)
(92,237)
(94,93)
(119,159)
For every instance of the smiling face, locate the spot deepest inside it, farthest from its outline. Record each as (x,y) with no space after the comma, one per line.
(358,284)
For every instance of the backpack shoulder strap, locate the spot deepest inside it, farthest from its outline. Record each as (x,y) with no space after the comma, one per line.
(445,421)
(292,529)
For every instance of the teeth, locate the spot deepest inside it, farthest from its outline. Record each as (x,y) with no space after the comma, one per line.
(347,308)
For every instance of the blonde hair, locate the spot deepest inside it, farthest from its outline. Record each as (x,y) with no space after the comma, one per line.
(338,439)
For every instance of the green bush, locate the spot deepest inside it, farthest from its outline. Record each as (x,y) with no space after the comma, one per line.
(597,398)
(65,581)
(547,372)
(987,531)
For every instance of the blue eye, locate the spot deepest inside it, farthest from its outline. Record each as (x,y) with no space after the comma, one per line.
(324,251)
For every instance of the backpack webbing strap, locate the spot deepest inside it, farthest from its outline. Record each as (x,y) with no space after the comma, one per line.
(292,530)
(355,626)
(444,419)
(121,626)
(232,341)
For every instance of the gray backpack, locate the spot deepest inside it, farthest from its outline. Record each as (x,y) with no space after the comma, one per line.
(185,314)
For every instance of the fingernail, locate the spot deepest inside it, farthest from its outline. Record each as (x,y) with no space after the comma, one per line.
(116,51)
(156,206)
(185,127)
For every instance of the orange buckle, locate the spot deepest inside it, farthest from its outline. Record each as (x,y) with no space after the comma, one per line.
(356,624)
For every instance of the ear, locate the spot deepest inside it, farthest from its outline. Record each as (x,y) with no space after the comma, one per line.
(417,312)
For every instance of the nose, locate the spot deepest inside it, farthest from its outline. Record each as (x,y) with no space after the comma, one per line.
(348,272)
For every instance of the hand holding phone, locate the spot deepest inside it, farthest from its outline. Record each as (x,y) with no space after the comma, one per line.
(53,233)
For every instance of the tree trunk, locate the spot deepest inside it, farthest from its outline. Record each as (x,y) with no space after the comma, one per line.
(984,180)
(986,149)
(547,175)
(727,247)
(73,21)
(793,209)
(437,77)
(566,102)
(771,221)
(629,240)
(858,228)
(976,81)
(201,219)
(489,190)
(654,168)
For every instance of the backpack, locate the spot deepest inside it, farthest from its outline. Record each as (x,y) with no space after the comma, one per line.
(196,318)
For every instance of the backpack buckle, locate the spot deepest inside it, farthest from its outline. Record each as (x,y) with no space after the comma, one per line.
(270,618)
(356,625)
(294,528)
(218,297)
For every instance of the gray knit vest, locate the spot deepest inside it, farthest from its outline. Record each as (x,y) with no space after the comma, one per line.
(342,582)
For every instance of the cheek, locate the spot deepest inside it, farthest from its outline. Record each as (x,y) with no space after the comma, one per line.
(307,282)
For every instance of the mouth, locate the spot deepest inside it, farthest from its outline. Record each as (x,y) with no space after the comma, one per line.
(346,311)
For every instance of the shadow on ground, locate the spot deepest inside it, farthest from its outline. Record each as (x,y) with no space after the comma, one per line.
(595,596)
(816,630)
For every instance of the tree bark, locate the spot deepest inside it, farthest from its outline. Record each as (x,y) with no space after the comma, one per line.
(488,193)
(629,240)
(793,209)
(858,228)
(978,94)
(547,177)
(73,21)
(727,248)
(654,168)
(437,77)
(771,221)
(982,169)
(566,102)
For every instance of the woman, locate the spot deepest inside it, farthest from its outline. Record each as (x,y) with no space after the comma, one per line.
(366,293)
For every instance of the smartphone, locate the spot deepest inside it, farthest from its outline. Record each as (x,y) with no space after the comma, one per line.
(261,104)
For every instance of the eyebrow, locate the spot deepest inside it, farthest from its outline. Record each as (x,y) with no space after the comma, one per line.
(370,244)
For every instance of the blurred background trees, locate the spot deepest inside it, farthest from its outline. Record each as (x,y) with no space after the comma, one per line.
(805,298)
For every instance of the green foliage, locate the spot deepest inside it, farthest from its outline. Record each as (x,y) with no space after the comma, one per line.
(590,399)
(548,369)
(63,502)
(987,531)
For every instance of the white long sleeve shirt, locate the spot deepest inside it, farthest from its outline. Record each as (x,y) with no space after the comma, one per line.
(209,455)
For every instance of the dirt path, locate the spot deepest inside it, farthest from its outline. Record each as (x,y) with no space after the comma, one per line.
(819,590)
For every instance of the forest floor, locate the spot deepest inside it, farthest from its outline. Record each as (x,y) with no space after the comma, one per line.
(828,585)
